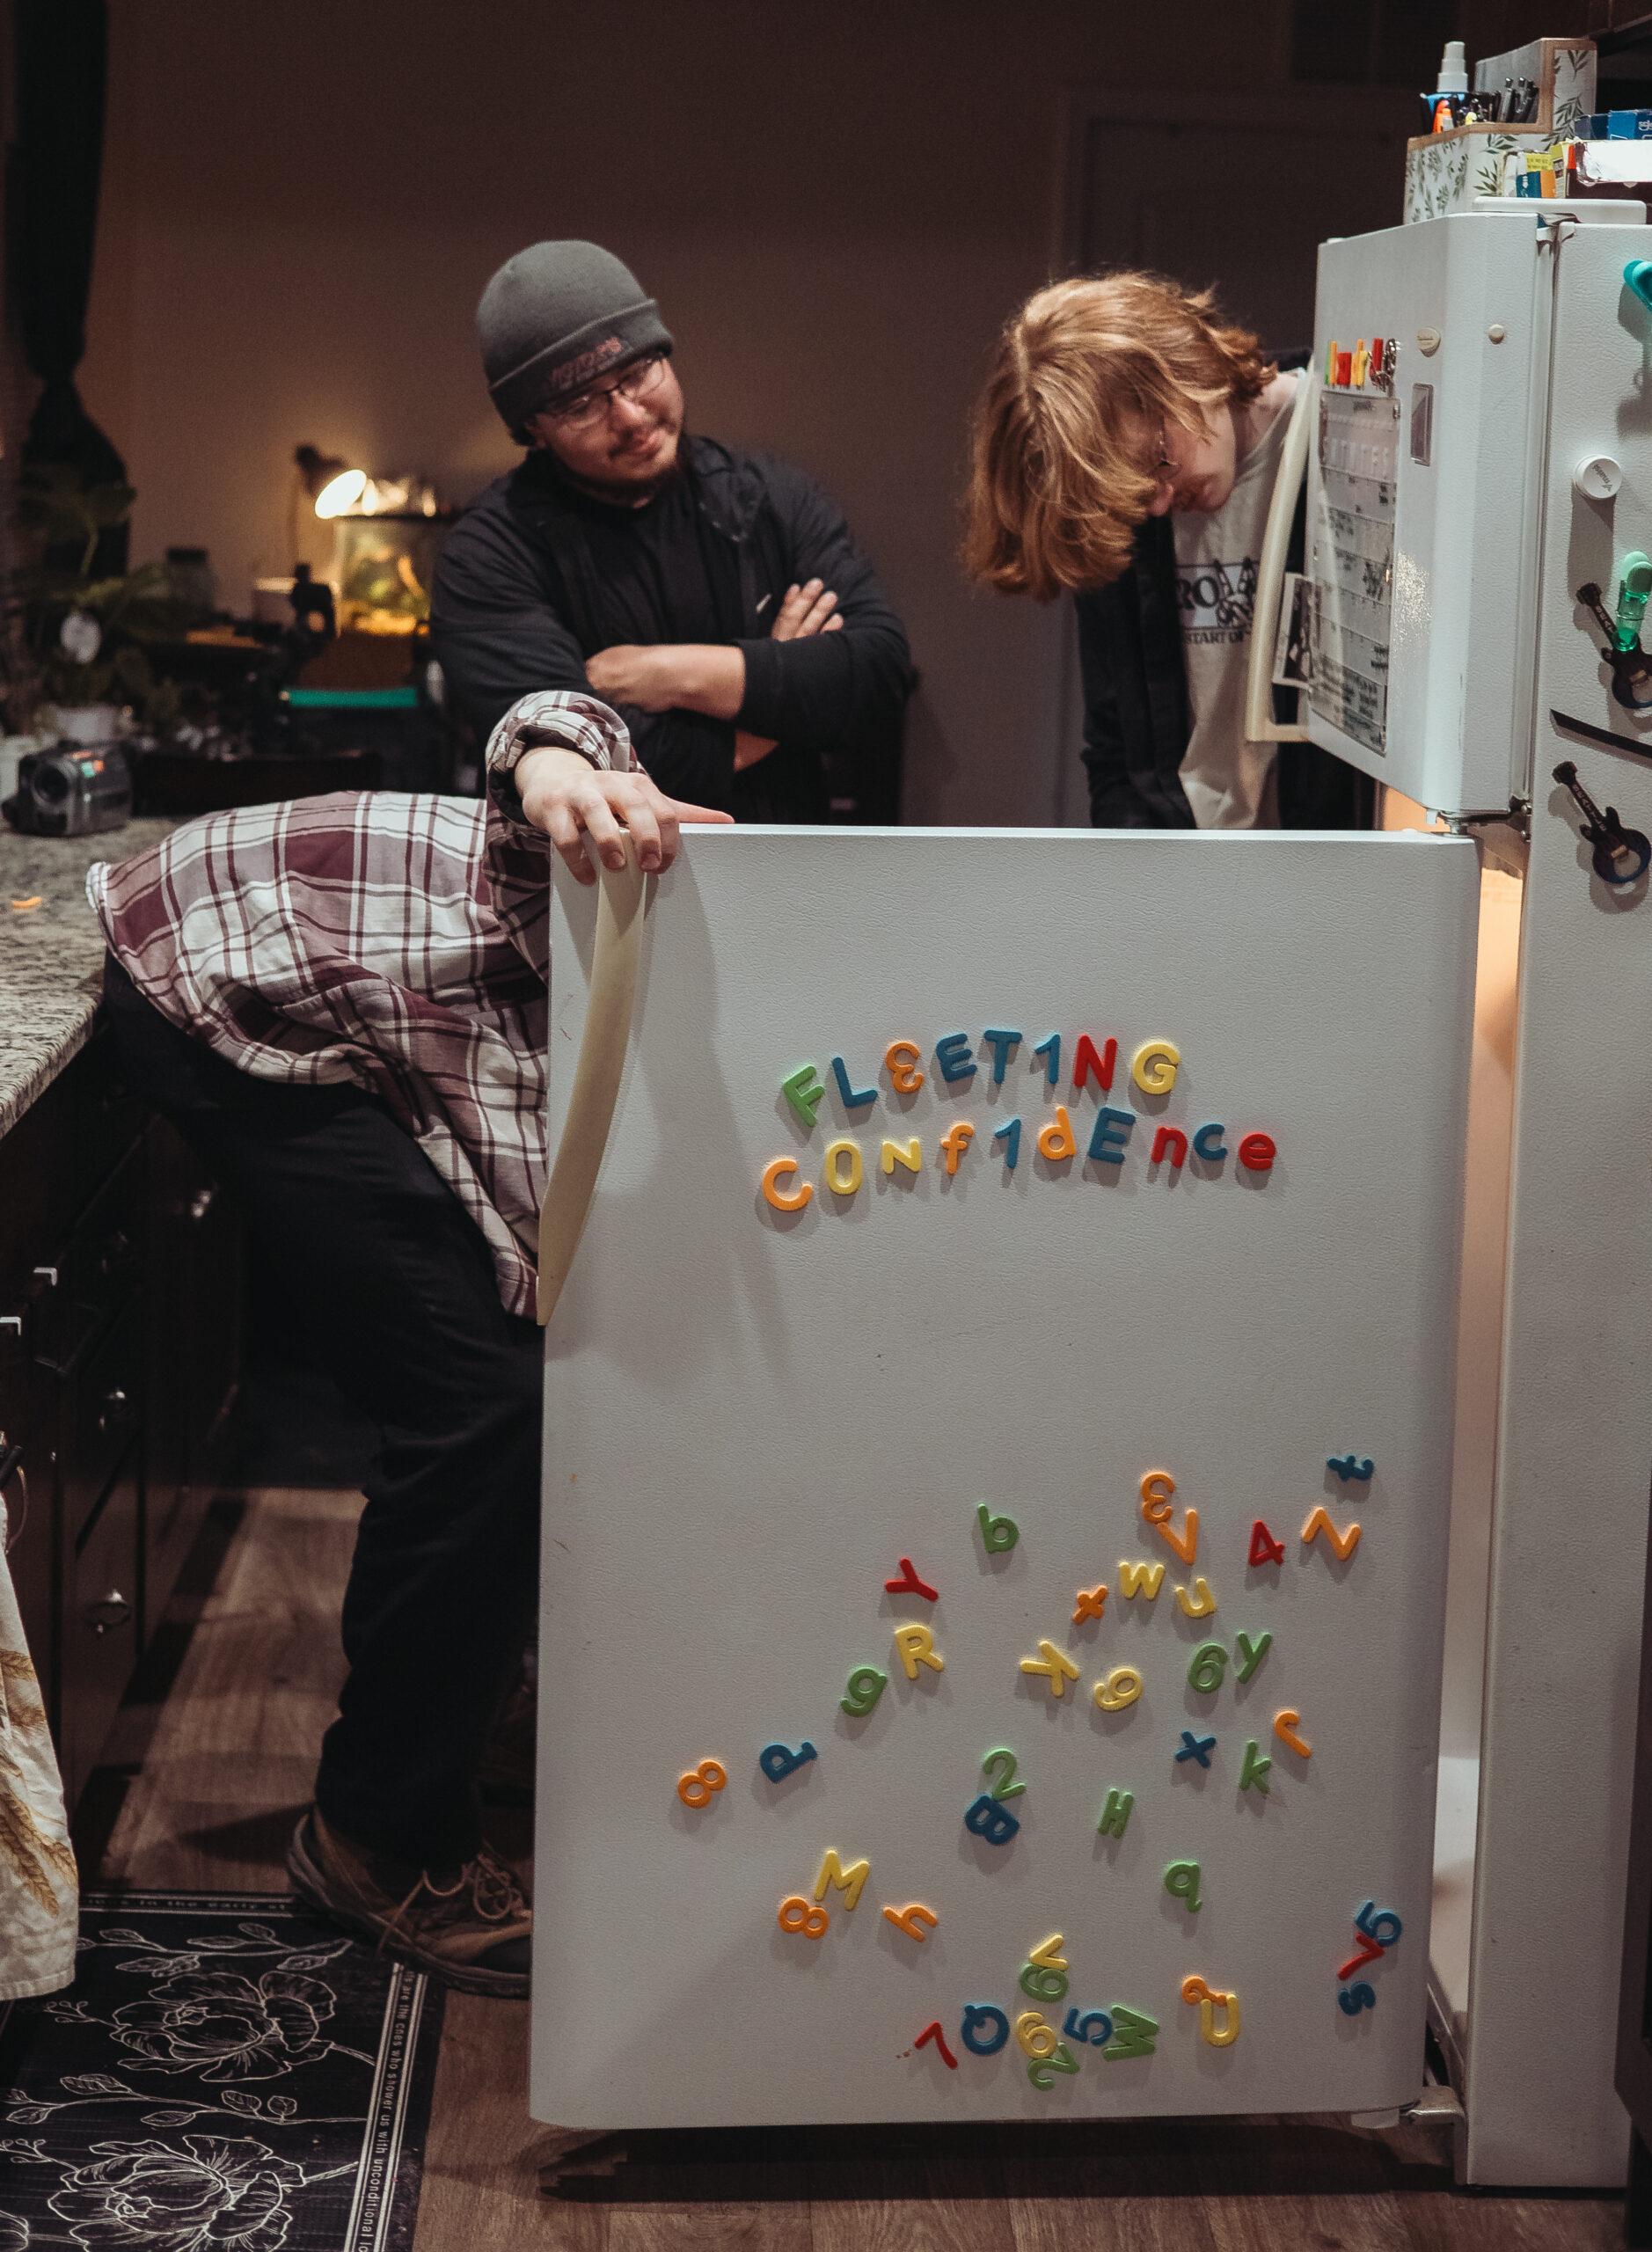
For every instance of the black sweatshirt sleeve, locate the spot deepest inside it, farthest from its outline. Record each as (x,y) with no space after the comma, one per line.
(814,694)
(498,633)
(1115,801)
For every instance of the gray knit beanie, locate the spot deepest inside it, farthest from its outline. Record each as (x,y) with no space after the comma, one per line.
(553,318)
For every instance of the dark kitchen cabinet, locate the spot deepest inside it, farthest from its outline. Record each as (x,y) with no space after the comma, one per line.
(120,1330)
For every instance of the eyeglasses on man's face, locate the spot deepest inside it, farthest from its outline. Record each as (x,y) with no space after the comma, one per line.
(589,406)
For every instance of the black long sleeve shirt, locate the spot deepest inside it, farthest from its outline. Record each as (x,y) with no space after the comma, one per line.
(535,577)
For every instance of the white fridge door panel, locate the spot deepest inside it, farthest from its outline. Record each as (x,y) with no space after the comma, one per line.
(753,1415)
(1442,711)
(1601,406)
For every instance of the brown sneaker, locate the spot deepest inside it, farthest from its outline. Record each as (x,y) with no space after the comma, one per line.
(471,1930)
(505,1777)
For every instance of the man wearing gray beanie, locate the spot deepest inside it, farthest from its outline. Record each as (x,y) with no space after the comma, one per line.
(715,598)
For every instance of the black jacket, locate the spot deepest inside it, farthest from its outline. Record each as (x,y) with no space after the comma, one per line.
(1137,722)
(518,605)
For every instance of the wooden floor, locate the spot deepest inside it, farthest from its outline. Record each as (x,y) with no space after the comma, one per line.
(218,1745)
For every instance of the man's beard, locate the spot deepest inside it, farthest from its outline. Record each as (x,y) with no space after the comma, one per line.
(628,492)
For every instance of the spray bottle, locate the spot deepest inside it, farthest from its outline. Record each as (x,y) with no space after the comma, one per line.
(1444,107)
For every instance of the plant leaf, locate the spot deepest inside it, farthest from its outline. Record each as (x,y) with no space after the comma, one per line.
(235,2101)
(256,1931)
(94,2084)
(167,2119)
(282,2107)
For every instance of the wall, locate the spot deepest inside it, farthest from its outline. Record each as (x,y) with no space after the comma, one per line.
(836,211)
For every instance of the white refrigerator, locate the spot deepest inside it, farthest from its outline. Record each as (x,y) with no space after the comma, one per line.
(955,1227)
(1478,438)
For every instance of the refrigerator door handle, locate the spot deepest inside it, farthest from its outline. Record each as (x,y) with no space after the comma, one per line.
(596,1076)
(1259,723)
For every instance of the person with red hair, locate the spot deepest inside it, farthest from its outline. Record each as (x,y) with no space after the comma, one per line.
(1125,449)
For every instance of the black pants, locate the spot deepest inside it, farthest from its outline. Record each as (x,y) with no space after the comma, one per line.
(394,1289)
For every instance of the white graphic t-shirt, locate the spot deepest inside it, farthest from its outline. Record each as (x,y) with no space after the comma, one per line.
(1229,780)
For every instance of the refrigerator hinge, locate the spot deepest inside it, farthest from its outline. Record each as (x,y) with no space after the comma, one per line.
(1504,839)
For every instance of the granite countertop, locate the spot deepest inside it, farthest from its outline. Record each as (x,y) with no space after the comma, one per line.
(51,956)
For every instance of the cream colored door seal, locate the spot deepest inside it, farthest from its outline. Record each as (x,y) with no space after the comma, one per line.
(596,1076)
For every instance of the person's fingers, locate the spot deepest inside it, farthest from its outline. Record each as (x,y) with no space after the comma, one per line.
(564,832)
(647,831)
(592,809)
(665,809)
(699,816)
(833,626)
(820,609)
(791,610)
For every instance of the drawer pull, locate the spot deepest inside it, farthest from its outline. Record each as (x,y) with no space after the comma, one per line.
(108,1612)
(201,1203)
(11,1467)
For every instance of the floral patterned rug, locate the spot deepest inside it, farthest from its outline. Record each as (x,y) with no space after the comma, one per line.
(227,2073)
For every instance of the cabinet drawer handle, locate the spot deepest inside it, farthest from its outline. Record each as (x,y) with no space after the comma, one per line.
(11,1467)
(109,1610)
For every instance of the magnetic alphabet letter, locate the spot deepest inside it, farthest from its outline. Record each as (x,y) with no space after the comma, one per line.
(990,1821)
(850,1881)
(1109,1134)
(1171,1142)
(853,1097)
(1086,1060)
(1009,1135)
(901,1060)
(934,2033)
(804,1092)
(955,1142)
(777,1762)
(1254,1773)
(1090,1602)
(911,1157)
(1344,1542)
(1154,1065)
(836,1182)
(1252,1654)
(1133,2030)
(1181,1882)
(911,1920)
(1000,1042)
(1200,1603)
(915,1646)
(1285,1730)
(1058,1669)
(1050,1049)
(1196,1747)
(1203,1141)
(785,1200)
(998,1534)
(955,1056)
(1116,1814)
(1056,1140)
(910,1583)
(1257,1152)
(1144,1577)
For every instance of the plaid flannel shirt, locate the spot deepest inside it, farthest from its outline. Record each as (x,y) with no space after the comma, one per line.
(396,940)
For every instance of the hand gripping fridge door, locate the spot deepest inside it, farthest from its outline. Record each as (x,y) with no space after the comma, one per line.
(1429,439)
